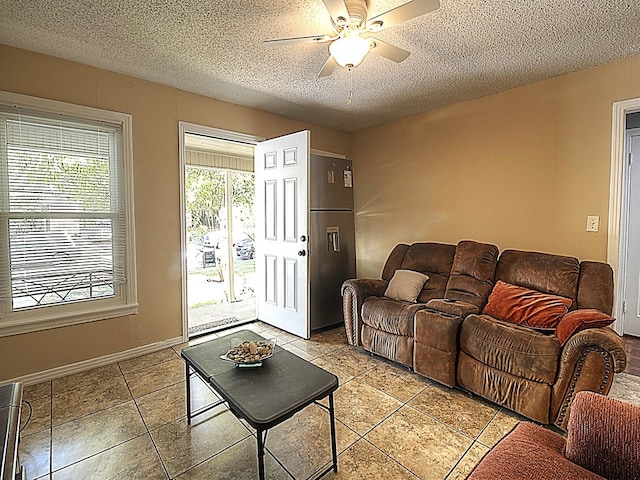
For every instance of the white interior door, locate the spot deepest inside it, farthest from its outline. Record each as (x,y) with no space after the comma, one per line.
(282,281)
(631,313)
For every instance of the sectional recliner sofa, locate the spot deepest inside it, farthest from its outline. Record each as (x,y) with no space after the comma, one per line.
(526,330)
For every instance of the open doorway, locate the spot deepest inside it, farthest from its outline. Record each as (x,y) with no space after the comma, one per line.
(218,192)
(624,223)
(618,247)
(630,259)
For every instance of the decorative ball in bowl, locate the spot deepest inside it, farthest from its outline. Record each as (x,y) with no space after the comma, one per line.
(249,353)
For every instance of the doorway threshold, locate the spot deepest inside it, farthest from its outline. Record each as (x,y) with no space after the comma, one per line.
(211,318)
(216,326)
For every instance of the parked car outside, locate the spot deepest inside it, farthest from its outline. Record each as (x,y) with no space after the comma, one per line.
(243,245)
(245,248)
(247,252)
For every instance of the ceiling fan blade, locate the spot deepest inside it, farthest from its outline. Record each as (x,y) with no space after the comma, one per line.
(400,14)
(308,39)
(329,66)
(337,10)
(389,51)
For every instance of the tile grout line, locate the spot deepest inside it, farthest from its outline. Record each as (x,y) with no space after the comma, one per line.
(90,413)
(392,459)
(181,418)
(238,442)
(96,454)
(148,432)
(363,437)
(51,470)
(475,441)
(407,404)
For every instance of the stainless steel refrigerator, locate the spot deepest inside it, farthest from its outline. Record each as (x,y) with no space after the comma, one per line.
(332,253)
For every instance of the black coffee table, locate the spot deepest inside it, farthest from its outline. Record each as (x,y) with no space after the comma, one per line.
(264,396)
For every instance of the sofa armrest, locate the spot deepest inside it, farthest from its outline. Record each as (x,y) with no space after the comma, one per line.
(354,293)
(588,361)
(603,436)
(604,338)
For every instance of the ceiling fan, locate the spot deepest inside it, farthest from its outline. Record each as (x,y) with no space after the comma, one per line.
(350,42)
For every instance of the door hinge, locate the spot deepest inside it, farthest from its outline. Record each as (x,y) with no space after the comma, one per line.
(630,158)
(624,306)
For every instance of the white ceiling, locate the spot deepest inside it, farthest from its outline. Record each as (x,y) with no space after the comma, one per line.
(464,50)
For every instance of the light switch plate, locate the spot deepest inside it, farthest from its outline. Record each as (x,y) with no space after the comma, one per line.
(593,223)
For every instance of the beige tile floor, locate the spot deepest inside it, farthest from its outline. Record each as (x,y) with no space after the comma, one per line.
(127,421)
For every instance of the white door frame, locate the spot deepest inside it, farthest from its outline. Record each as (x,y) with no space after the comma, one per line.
(184,128)
(618,193)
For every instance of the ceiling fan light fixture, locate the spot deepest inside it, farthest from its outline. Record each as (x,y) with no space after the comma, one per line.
(349,50)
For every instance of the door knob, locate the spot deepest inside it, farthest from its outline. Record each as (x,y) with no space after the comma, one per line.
(302,253)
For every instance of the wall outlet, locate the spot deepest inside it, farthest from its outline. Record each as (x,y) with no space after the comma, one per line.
(593,223)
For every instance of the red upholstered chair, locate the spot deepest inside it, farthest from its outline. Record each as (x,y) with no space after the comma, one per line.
(603,441)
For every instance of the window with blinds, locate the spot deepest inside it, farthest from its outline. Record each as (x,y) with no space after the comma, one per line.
(63,212)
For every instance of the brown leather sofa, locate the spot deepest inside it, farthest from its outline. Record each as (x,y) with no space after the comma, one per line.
(444,335)
(603,441)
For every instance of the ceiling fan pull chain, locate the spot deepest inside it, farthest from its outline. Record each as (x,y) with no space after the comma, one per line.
(349,101)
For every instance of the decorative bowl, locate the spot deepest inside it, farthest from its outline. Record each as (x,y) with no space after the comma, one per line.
(249,353)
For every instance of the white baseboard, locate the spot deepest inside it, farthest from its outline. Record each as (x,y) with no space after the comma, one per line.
(77,367)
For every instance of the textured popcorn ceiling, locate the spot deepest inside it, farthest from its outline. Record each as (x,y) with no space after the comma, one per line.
(464,50)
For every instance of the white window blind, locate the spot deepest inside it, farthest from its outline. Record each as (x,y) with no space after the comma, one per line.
(63,212)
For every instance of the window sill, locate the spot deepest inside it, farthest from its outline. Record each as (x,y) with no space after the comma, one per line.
(10,327)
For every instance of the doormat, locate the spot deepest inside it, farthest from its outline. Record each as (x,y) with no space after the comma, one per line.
(211,325)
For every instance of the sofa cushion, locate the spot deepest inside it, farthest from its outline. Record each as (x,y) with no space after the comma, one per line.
(517,350)
(527,397)
(397,348)
(390,315)
(434,260)
(406,285)
(554,274)
(581,319)
(523,306)
(596,286)
(394,260)
(472,273)
(529,451)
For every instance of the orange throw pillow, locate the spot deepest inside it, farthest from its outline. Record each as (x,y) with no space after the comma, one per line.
(581,319)
(526,307)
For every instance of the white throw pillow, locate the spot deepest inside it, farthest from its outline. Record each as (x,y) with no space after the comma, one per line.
(406,285)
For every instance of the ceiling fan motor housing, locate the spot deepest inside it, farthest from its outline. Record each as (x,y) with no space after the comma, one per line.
(357,12)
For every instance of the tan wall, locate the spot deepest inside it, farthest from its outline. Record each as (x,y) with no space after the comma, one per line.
(519,169)
(156,111)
